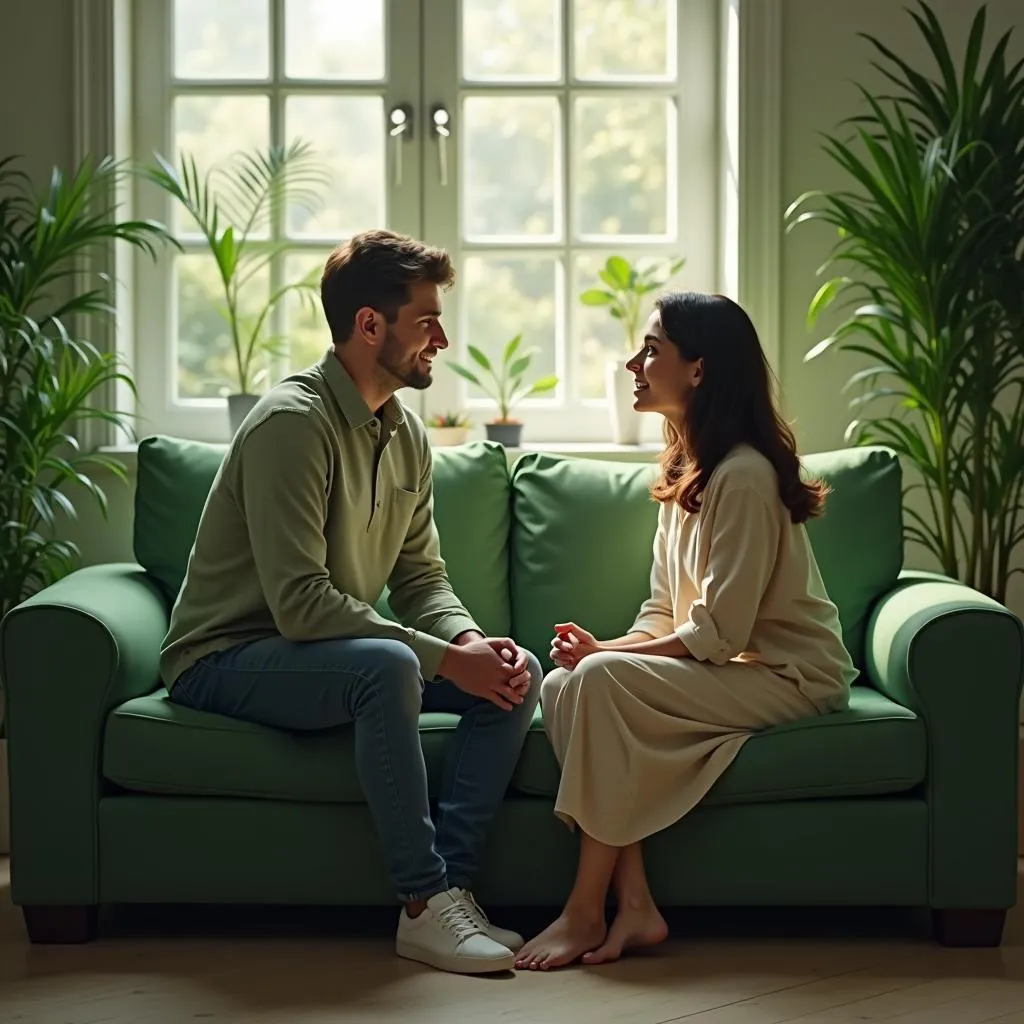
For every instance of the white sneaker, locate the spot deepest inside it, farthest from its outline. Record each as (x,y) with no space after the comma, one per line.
(448,936)
(504,937)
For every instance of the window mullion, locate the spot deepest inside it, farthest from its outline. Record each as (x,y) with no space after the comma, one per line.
(277,365)
(440,204)
(565,331)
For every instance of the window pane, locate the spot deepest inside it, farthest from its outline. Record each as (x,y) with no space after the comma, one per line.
(598,336)
(624,169)
(624,39)
(207,366)
(342,39)
(347,134)
(511,179)
(505,296)
(212,130)
(305,329)
(511,40)
(226,39)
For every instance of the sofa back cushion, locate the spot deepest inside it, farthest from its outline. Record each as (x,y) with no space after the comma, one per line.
(172,483)
(583,532)
(471,509)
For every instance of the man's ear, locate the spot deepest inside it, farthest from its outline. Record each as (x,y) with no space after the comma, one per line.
(368,324)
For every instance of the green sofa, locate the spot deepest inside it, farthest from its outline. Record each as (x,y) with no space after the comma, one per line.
(909,798)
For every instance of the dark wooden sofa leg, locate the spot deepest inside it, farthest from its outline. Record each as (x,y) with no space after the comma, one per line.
(60,924)
(969,927)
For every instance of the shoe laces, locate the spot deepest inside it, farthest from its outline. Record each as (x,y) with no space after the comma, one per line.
(476,909)
(460,920)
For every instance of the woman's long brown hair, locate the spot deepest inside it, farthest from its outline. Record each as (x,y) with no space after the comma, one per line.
(733,404)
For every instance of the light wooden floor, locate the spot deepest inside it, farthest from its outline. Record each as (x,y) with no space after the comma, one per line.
(255,967)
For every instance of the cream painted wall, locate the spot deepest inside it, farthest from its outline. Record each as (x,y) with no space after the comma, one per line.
(36,98)
(822,57)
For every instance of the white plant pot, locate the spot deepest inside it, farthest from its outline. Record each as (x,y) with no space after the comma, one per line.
(619,388)
(444,437)
(239,406)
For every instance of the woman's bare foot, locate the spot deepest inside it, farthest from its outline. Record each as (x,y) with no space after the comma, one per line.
(638,923)
(563,941)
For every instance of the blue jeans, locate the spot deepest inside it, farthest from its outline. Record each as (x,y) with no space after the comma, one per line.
(376,685)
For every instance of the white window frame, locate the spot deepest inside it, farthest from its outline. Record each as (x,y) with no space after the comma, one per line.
(695,139)
(747,210)
(695,234)
(155,89)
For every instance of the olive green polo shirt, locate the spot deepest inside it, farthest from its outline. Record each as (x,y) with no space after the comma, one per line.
(317,505)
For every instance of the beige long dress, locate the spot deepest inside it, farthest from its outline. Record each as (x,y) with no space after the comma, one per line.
(641,738)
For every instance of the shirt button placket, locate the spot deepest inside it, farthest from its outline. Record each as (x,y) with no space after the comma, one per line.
(378,502)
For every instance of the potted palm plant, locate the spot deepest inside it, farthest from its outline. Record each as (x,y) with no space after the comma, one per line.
(233,204)
(52,377)
(624,293)
(928,260)
(503,382)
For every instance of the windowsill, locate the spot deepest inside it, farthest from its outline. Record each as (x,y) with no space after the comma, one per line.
(643,452)
(127,454)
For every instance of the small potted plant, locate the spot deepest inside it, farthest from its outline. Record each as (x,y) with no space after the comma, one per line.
(624,291)
(448,428)
(504,384)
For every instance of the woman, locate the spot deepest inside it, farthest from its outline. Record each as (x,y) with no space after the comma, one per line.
(738,634)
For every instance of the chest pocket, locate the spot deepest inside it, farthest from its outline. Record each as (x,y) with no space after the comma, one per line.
(395,508)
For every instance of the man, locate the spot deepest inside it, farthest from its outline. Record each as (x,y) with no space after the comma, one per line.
(324,496)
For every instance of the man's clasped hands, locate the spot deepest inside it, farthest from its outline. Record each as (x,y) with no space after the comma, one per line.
(495,667)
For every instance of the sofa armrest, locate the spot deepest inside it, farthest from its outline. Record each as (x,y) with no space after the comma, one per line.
(956,658)
(68,655)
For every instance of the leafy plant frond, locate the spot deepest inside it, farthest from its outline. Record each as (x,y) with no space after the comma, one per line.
(233,205)
(503,381)
(625,288)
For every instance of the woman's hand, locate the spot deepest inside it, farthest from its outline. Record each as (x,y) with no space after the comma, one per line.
(572,644)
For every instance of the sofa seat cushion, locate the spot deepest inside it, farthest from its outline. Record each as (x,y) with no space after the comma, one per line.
(153,745)
(874,747)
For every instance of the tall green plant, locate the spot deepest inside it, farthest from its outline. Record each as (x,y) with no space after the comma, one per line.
(234,205)
(930,244)
(50,372)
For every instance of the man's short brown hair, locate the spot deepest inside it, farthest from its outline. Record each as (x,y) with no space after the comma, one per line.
(376,268)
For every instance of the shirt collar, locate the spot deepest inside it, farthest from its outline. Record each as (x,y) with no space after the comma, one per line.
(351,403)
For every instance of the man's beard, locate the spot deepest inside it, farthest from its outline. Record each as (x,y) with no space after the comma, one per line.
(403,367)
